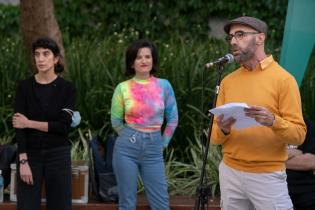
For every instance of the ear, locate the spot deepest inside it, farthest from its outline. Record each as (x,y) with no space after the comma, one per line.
(56,59)
(261,39)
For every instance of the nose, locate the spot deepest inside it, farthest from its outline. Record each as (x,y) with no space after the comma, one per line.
(143,60)
(40,57)
(233,40)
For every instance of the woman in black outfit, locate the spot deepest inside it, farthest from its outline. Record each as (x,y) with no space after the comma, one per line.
(42,128)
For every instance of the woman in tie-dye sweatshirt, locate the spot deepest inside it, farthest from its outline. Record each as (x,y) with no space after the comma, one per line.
(140,106)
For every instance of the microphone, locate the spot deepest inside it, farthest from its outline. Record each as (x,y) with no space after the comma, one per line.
(228,58)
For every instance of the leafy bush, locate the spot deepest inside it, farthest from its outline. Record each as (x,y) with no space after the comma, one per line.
(162,18)
(13,67)
(308,89)
(184,177)
(159,19)
(9,16)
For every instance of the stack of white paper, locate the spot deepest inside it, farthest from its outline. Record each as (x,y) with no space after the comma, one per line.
(235,110)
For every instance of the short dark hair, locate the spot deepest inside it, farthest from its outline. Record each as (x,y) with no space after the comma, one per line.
(132,53)
(48,43)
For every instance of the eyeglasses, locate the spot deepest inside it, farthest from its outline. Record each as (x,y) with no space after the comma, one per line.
(239,35)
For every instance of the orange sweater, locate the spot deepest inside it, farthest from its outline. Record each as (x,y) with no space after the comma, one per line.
(261,149)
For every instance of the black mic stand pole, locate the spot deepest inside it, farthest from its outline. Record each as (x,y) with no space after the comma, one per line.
(203,191)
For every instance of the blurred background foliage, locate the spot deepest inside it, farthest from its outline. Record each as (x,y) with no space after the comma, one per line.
(307,89)
(95,36)
(153,19)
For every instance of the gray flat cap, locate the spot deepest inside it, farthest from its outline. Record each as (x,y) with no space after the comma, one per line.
(252,22)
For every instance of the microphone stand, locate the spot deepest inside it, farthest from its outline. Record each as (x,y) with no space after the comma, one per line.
(203,191)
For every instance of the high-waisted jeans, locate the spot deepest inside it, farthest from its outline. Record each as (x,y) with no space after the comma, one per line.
(140,152)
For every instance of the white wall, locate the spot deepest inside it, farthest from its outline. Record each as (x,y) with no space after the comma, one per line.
(13,2)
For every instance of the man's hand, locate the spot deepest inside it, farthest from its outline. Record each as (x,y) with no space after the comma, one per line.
(225,124)
(19,121)
(260,114)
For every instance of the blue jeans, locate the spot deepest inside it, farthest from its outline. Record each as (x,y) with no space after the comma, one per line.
(140,152)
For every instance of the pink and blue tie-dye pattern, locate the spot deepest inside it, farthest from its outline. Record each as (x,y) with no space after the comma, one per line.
(143,104)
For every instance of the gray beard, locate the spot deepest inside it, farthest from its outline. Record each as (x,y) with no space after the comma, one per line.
(244,57)
(246,54)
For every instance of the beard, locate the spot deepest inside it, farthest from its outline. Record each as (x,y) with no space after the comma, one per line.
(244,54)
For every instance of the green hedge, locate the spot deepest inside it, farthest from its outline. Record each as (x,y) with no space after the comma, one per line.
(154,19)
(308,89)
(9,16)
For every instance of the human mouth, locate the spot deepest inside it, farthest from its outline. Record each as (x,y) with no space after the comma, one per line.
(235,52)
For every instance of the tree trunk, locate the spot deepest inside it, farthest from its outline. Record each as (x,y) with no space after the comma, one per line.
(37,19)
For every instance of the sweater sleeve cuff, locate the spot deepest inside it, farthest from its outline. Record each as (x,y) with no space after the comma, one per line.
(165,141)
(51,126)
(277,123)
(219,137)
(57,127)
(223,135)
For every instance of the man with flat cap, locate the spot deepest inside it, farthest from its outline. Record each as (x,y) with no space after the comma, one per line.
(252,172)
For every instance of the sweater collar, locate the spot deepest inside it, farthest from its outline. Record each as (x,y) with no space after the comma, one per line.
(266,62)
(262,64)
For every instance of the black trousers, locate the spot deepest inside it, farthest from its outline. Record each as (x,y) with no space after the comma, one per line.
(54,167)
(303,201)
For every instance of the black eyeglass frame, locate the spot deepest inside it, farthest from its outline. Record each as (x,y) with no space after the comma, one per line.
(239,35)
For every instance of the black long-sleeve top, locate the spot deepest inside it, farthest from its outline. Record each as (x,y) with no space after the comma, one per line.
(304,181)
(44,102)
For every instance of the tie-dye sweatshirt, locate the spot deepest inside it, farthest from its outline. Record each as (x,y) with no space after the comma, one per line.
(143,105)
